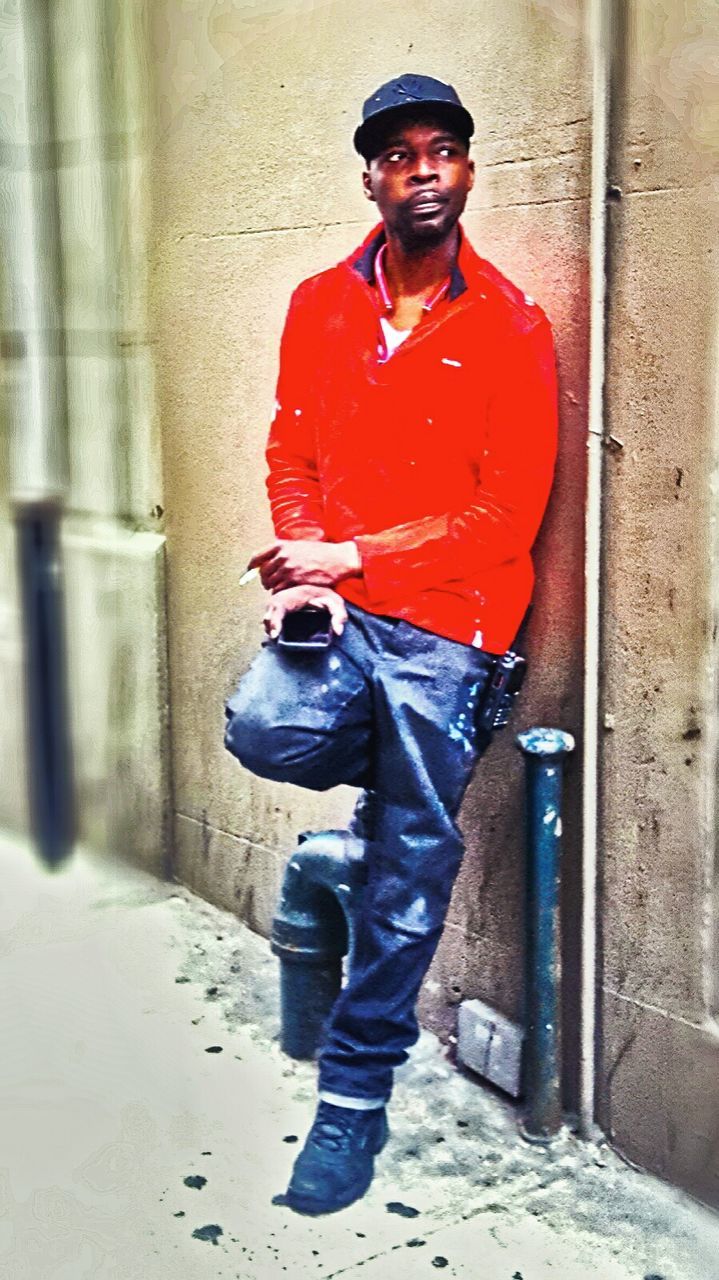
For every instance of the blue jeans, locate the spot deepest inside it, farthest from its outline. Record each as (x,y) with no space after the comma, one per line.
(391,708)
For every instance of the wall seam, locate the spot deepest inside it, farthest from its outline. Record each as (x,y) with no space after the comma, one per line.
(323,226)
(223,831)
(664,1013)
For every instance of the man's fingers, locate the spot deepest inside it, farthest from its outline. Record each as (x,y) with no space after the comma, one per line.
(273,620)
(260,557)
(336,609)
(286,601)
(274,578)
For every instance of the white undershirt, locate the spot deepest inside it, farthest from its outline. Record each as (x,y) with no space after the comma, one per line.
(393,337)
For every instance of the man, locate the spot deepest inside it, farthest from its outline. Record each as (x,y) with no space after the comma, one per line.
(410,462)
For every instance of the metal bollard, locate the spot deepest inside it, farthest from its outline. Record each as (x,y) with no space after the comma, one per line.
(544,751)
(313,928)
(49,746)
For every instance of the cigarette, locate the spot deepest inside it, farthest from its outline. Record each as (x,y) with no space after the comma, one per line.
(249,576)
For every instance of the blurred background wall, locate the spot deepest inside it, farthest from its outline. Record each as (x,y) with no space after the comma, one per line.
(74,132)
(204,166)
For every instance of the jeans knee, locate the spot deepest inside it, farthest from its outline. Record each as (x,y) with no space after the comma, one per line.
(282,753)
(239,736)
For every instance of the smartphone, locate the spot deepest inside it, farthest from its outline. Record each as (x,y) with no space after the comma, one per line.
(306,628)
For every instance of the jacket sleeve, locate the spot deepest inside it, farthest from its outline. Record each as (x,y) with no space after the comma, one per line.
(293,484)
(515,477)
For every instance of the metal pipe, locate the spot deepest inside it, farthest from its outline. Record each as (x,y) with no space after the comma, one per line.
(312,930)
(601,36)
(50,775)
(544,751)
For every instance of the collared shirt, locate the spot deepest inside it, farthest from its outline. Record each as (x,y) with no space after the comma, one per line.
(390,338)
(438,462)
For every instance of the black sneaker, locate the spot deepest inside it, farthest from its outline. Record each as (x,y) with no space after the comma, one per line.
(336,1164)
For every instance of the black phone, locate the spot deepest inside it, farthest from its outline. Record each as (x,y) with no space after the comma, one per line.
(307,628)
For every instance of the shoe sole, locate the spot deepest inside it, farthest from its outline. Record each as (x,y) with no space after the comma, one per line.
(313,1208)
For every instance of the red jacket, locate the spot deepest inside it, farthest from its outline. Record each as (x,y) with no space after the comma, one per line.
(437,462)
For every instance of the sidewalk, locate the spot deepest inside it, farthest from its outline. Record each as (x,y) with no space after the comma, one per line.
(148,1118)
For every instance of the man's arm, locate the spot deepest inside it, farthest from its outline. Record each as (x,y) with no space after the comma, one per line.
(295,561)
(293,484)
(301,554)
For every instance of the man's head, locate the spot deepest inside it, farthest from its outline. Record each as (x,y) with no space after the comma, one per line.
(415,141)
(407,93)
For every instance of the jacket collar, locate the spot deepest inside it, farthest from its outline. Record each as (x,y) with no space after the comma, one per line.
(362,260)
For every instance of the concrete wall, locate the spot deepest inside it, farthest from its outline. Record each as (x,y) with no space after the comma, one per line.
(112,541)
(659,1083)
(257,186)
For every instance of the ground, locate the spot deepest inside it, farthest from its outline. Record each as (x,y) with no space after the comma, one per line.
(149,1118)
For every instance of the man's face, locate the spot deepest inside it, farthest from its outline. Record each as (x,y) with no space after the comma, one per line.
(420,181)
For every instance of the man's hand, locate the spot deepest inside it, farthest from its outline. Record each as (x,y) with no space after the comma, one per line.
(293,564)
(283,602)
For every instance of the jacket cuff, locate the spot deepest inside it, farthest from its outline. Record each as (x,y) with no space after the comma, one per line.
(381,575)
(301,531)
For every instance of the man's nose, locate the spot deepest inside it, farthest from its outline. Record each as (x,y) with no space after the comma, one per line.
(424,170)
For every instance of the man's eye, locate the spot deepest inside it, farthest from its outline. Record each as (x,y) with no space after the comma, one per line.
(395,155)
(447,150)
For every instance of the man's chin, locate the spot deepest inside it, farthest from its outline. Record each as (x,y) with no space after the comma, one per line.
(426,234)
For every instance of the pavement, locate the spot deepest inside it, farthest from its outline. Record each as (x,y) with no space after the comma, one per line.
(149,1118)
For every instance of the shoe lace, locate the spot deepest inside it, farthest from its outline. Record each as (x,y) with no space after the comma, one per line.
(335,1127)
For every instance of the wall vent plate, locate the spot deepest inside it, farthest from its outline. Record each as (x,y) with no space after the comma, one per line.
(491,1045)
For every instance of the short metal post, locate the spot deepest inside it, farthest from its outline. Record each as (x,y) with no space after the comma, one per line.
(49,755)
(312,929)
(544,751)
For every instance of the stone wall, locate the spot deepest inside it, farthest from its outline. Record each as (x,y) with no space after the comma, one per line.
(112,560)
(660,1044)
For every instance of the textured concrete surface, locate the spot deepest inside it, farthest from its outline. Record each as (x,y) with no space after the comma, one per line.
(659,615)
(660,1096)
(256,186)
(117,647)
(660,1056)
(147,1110)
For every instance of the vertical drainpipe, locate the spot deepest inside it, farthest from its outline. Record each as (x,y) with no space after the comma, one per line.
(601,37)
(35,384)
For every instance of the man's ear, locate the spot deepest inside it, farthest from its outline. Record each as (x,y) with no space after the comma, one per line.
(367,184)
(470,166)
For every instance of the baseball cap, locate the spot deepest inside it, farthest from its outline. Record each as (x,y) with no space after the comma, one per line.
(411,91)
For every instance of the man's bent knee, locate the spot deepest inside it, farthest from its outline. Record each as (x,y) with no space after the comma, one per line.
(280,752)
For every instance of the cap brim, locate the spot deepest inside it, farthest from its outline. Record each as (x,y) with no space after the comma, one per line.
(377,122)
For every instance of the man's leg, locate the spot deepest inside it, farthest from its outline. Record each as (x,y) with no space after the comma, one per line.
(308,720)
(426,693)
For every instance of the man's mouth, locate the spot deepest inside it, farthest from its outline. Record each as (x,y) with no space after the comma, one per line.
(426,203)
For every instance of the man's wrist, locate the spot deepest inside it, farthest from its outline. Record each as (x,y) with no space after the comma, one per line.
(351,555)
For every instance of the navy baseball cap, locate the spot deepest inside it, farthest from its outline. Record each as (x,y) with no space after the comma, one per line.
(411,91)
